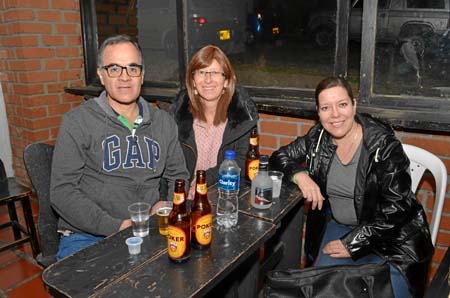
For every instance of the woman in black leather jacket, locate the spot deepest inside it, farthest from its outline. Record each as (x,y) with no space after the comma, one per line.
(354,172)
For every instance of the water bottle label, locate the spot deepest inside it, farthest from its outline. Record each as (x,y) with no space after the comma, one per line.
(229,182)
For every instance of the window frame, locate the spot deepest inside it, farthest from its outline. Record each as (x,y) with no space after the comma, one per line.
(404,112)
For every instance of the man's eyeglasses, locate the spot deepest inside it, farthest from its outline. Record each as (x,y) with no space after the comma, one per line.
(212,74)
(115,70)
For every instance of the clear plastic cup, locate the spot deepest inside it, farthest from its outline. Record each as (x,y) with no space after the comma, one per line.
(134,245)
(277,178)
(139,214)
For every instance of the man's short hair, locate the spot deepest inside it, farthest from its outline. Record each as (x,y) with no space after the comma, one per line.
(118,39)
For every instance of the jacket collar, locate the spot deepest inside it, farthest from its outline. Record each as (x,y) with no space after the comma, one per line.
(238,111)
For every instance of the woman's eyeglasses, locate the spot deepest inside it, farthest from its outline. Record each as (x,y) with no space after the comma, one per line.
(201,74)
(115,70)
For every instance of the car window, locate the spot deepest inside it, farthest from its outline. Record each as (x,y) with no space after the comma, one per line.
(425,4)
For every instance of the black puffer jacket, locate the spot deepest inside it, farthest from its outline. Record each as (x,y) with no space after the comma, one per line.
(391,222)
(242,117)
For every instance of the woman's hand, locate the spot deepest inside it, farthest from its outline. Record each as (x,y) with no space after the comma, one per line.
(336,249)
(310,190)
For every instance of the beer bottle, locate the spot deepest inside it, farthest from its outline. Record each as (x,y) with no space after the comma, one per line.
(252,163)
(201,216)
(179,230)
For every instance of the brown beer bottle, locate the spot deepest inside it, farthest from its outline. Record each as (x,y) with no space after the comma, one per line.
(201,216)
(252,163)
(179,230)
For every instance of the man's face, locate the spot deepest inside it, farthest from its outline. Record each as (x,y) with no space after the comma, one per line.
(124,89)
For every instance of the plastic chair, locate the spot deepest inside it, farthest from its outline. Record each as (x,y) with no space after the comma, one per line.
(38,162)
(422,160)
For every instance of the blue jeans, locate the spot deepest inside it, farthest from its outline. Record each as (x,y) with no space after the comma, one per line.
(75,242)
(335,231)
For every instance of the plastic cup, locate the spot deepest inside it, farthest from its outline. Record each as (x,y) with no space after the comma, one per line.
(134,245)
(277,178)
(163,217)
(139,214)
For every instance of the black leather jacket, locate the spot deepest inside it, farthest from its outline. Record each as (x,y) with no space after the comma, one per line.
(391,222)
(242,117)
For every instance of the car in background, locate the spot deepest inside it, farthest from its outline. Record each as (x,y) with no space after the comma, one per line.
(263,25)
(219,22)
(397,20)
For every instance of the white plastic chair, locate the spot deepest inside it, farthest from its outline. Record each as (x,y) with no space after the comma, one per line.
(422,160)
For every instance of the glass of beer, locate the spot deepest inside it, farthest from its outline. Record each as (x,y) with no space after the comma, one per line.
(163,217)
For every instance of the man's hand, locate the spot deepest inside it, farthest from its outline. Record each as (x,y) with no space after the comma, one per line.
(336,249)
(310,190)
(125,224)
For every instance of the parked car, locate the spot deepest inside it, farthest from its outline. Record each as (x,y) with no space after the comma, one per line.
(219,22)
(397,20)
(263,25)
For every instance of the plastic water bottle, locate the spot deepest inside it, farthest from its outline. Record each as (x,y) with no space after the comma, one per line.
(227,207)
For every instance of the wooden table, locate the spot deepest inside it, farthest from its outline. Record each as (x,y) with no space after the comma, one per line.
(230,268)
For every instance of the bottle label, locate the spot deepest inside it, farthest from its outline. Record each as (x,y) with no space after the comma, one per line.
(176,242)
(201,188)
(203,229)
(229,182)
(178,198)
(254,141)
(253,167)
(263,196)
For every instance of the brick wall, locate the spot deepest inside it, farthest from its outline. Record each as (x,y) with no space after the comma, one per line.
(116,17)
(276,131)
(40,55)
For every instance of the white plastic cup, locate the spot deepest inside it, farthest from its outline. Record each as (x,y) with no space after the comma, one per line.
(277,179)
(134,245)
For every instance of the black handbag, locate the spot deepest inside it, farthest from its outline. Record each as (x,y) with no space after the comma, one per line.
(346,281)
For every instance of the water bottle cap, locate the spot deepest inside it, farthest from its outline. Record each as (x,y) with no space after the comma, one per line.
(264,159)
(230,154)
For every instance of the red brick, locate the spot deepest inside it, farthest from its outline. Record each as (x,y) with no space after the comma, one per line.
(35,112)
(443,239)
(53,40)
(76,63)
(44,123)
(102,7)
(436,145)
(67,28)
(65,4)
(29,89)
(68,52)
(42,100)
(117,20)
(265,151)
(445,221)
(290,119)
(446,208)
(35,53)
(36,135)
(268,141)
(53,133)
(27,3)
(127,30)
(73,40)
(53,16)
(71,98)
(54,64)
(34,77)
(68,75)
(281,128)
(72,17)
(20,41)
(59,109)
(18,15)
(286,140)
(56,87)
(125,10)
(23,27)
(18,65)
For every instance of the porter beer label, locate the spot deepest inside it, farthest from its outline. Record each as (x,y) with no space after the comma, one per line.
(203,229)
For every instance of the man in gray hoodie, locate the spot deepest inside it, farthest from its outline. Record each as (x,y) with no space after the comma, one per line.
(111,151)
